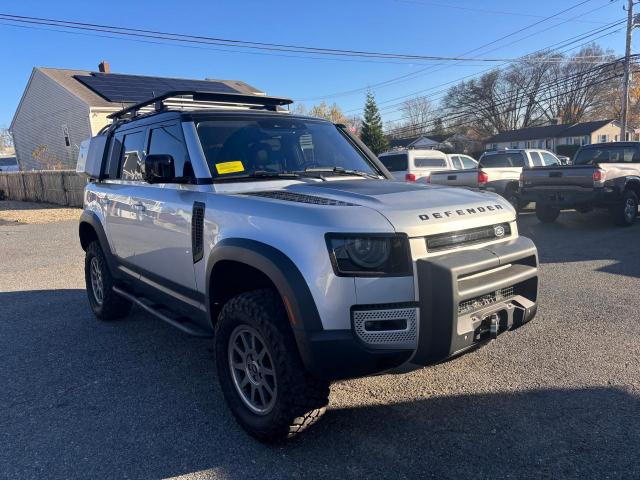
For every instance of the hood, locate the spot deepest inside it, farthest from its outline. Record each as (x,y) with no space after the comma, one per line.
(413,209)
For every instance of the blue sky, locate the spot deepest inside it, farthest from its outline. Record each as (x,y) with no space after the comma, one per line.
(419,27)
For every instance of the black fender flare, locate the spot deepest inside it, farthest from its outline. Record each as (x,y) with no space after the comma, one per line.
(288,280)
(92,219)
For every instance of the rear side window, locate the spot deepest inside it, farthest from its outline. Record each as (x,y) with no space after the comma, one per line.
(549,159)
(468,162)
(502,160)
(536,159)
(395,163)
(132,155)
(457,164)
(8,162)
(168,140)
(591,156)
(426,162)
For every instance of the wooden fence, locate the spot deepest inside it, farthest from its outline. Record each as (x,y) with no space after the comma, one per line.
(61,187)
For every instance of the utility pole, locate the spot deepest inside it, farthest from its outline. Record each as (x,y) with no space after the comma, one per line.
(627,72)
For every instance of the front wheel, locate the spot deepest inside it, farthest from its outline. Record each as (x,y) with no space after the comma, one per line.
(625,213)
(260,371)
(546,214)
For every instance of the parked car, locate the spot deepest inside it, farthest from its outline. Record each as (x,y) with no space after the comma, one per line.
(416,165)
(499,171)
(287,239)
(603,175)
(9,164)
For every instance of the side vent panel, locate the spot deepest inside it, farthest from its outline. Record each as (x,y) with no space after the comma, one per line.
(197,231)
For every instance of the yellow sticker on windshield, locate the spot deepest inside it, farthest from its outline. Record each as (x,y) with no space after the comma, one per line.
(229,167)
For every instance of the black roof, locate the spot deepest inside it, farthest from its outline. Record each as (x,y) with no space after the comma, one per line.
(549,131)
(404,142)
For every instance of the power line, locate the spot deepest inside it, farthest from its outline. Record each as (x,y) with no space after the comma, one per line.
(554,47)
(545,86)
(233,43)
(551,86)
(412,75)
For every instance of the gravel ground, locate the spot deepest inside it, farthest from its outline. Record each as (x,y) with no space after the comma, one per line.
(559,398)
(35,213)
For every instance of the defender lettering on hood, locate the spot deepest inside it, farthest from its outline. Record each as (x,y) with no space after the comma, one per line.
(460,212)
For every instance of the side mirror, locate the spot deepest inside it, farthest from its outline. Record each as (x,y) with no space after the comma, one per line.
(159,169)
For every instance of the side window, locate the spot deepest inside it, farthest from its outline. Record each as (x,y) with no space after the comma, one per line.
(536,159)
(132,156)
(457,164)
(168,140)
(468,163)
(549,159)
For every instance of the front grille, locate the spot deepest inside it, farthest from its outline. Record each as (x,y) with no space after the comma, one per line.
(485,300)
(388,327)
(445,241)
(300,198)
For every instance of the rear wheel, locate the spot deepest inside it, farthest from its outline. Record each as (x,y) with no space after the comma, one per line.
(547,214)
(625,213)
(511,197)
(105,303)
(260,371)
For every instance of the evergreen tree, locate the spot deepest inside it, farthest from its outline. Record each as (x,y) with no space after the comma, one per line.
(438,127)
(371,132)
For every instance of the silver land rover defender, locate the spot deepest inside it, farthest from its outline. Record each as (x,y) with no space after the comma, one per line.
(284,238)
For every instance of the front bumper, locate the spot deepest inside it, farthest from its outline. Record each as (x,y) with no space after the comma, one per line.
(466,298)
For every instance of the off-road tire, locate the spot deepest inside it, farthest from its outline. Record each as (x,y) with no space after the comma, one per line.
(300,399)
(618,211)
(546,214)
(113,306)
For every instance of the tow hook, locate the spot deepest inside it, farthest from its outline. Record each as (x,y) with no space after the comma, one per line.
(494,326)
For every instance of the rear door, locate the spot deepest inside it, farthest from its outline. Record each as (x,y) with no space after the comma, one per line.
(118,192)
(163,249)
(397,164)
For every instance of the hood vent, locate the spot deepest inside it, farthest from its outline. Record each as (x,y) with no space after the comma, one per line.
(300,198)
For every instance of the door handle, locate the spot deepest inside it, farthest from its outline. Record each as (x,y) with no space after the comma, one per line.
(452,177)
(139,207)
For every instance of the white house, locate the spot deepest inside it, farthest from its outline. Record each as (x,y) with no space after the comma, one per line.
(60,108)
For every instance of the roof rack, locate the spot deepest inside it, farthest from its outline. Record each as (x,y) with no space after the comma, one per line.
(204,100)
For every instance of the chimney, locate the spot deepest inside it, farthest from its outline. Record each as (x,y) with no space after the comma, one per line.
(103,67)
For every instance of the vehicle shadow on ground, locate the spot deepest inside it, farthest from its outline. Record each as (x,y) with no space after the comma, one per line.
(577,237)
(137,399)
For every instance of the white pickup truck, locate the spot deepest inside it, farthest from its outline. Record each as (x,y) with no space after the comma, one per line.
(411,165)
(499,171)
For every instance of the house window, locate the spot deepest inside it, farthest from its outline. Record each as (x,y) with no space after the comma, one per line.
(540,143)
(65,134)
(514,145)
(603,138)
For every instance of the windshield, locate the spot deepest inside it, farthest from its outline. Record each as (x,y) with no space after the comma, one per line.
(591,156)
(242,147)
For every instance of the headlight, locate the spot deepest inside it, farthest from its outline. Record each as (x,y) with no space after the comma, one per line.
(369,255)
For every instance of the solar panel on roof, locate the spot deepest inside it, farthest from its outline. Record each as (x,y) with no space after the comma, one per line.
(116,87)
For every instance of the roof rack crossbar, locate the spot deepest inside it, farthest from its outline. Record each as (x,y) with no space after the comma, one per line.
(270,103)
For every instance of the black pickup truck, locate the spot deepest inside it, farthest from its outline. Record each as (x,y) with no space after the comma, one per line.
(603,175)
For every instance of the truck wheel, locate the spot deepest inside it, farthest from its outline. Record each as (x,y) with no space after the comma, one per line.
(624,214)
(547,214)
(260,370)
(511,197)
(105,303)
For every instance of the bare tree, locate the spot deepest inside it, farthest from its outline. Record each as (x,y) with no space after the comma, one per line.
(6,140)
(579,85)
(417,116)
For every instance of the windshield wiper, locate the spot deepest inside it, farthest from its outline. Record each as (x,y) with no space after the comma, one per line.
(340,171)
(258,174)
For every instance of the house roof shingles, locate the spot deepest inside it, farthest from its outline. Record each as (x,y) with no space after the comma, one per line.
(548,131)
